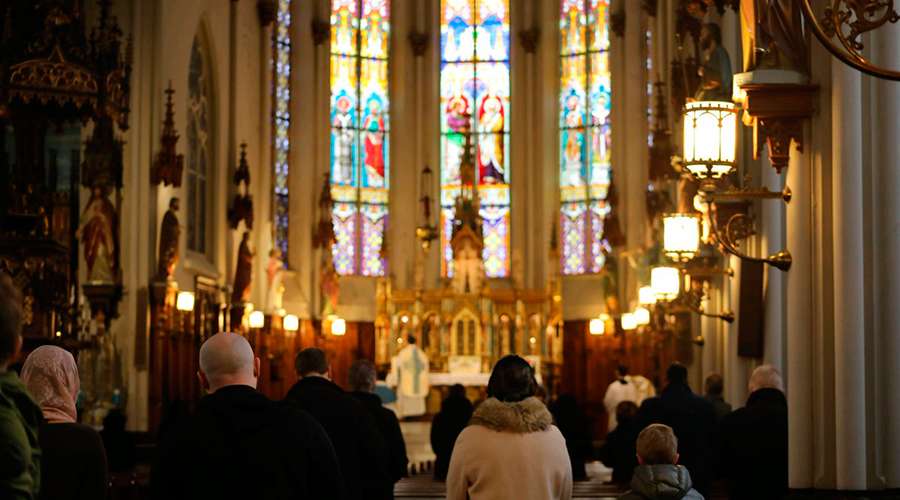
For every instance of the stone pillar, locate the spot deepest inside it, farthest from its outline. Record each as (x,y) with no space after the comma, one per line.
(849,324)
(887,252)
(772,224)
(799,331)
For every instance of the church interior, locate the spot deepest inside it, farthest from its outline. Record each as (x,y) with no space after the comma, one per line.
(587,184)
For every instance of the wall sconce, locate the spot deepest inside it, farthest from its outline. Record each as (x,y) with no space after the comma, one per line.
(646,296)
(641,316)
(681,236)
(597,326)
(666,282)
(257,319)
(710,139)
(290,323)
(629,322)
(338,326)
(185,301)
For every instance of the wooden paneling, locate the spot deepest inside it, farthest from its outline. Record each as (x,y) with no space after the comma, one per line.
(590,361)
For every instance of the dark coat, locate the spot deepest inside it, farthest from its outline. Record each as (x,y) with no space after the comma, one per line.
(389,427)
(574,425)
(754,447)
(619,451)
(445,428)
(20,450)
(240,445)
(361,451)
(720,406)
(693,420)
(661,482)
(73,463)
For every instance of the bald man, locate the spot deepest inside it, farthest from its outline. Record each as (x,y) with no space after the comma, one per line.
(239,444)
(754,440)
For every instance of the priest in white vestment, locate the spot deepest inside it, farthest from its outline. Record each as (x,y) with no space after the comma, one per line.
(409,371)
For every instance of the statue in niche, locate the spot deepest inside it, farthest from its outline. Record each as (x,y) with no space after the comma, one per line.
(97,233)
(169,235)
(715,72)
(772,35)
(275,281)
(243,273)
(468,268)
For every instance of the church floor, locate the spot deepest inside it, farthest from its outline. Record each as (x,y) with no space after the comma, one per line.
(420,484)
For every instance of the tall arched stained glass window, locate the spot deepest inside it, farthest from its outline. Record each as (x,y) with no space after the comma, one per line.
(584,133)
(200,144)
(360,32)
(475,97)
(282,120)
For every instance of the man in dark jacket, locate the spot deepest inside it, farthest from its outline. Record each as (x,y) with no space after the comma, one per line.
(20,416)
(715,386)
(239,444)
(693,420)
(754,440)
(362,382)
(575,427)
(361,451)
(619,451)
(456,411)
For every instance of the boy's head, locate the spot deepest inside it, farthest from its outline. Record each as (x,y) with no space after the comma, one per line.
(657,445)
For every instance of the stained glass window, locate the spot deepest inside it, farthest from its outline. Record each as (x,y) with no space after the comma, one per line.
(199,161)
(360,32)
(475,97)
(584,133)
(282,120)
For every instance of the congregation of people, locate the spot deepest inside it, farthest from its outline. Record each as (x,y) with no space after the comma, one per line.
(322,442)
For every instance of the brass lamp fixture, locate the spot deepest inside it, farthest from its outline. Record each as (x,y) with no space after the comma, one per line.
(666,283)
(427,232)
(710,139)
(848,20)
(681,236)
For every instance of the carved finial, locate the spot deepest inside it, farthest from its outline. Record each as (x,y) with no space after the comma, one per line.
(267,10)
(169,165)
(617,23)
(242,206)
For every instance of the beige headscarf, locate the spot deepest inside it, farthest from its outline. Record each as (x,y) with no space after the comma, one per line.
(51,375)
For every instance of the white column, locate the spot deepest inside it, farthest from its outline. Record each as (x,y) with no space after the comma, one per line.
(798,373)
(772,224)
(849,324)
(887,252)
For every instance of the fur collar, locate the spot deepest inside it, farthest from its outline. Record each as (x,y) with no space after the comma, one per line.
(528,415)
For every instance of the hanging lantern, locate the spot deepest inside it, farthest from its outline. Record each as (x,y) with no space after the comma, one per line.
(291,323)
(646,296)
(642,316)
(666,282)
(629,322)
(257,319)
(681,236)
(597,326)
(338,326)
(710,139)
(185,301)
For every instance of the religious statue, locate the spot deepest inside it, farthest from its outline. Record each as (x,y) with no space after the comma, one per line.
(169,235)
(715,72)
(97,233)
(772,35)
(491,142)
(409,372)
(468,268)
(275,281)
(243,273)
(373,126)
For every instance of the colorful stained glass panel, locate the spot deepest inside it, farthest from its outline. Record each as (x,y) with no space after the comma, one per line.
(585,139)
(475,98)
(360,110)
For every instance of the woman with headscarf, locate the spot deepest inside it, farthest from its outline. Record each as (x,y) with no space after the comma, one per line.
(73,462)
